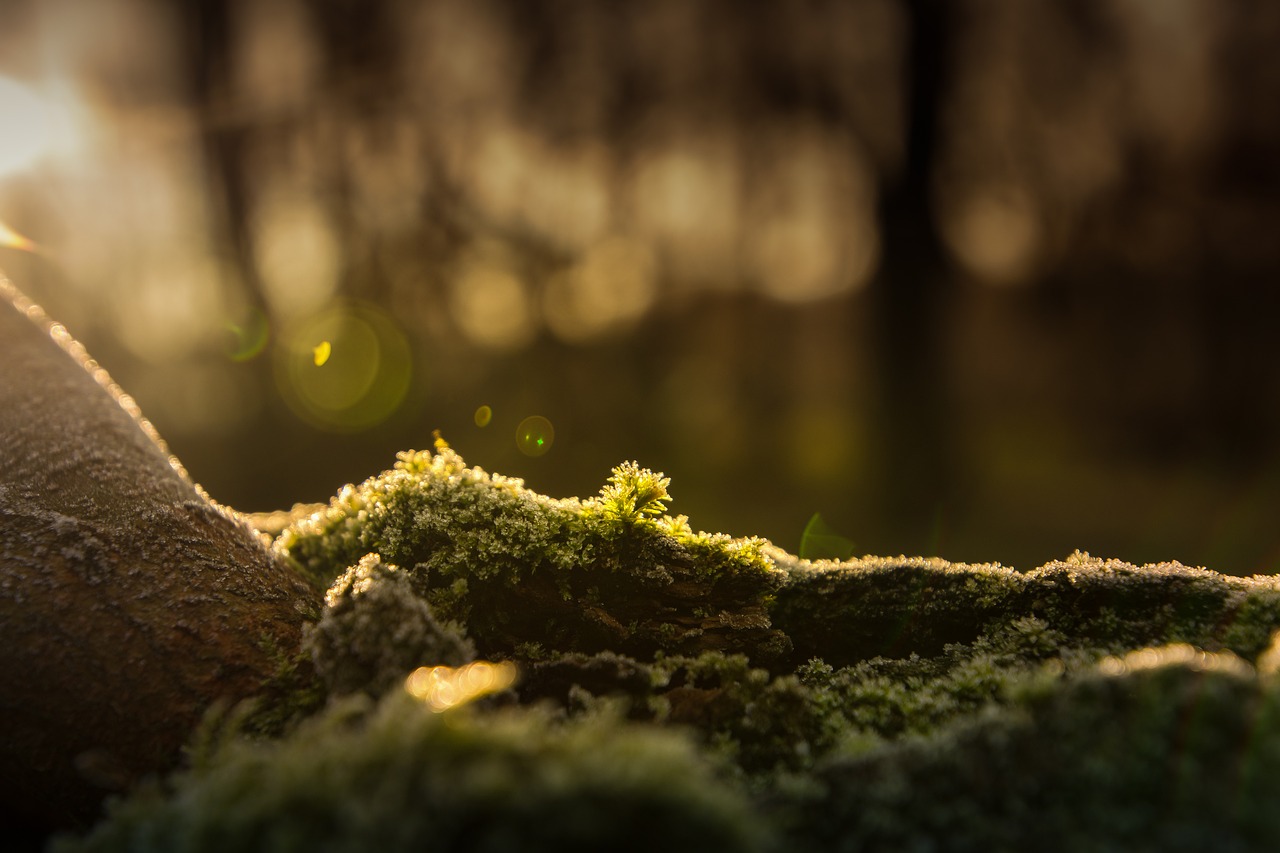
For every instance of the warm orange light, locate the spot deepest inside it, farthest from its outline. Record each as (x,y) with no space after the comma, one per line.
(445,687)
(13,240)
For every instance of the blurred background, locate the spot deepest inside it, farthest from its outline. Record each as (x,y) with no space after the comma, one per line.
(986,279)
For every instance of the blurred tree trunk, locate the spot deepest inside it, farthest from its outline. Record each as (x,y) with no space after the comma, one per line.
(128,602)
(911,291)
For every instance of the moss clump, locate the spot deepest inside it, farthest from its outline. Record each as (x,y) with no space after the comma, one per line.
(1168,749)
(374,631)
(515,567)
(1120,606)
(877,607)
(771,727)
(400,778)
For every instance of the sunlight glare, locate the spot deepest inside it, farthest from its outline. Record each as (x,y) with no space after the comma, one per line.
(445,687)
(13,240)
(248,338)
(31,126)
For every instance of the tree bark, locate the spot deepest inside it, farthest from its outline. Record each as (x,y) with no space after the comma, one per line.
(128,601)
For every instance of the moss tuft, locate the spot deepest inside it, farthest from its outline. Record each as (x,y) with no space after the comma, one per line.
(398,778)
(374,631)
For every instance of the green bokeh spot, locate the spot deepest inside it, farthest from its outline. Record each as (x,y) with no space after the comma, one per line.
(535,435)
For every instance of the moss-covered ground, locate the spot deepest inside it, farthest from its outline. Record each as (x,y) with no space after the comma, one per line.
(678,690)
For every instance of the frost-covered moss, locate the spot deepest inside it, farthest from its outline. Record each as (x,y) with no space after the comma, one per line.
(374,631)
(893,607)
(516,567)
(871,607)
(614,573)
(1121,606)
(902,703)
(401,778)
(1164,749)
(772,727)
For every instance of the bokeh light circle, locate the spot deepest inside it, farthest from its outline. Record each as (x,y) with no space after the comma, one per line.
(362,378)
(535,435)
(484,414)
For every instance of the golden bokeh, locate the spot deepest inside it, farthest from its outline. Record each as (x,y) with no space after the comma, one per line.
(443,687)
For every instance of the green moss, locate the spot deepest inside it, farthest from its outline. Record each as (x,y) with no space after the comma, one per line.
(294,692)
(633,493)
(516,567)
(873,607)
(1169,749)
(1122,606)
(374,631)
(901,703)
(400,778)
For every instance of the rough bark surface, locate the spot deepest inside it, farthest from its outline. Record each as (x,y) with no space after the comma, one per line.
(128,601)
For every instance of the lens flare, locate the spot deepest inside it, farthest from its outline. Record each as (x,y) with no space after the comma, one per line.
(11,239)
(366,362)
(484,414)
(535,435)
(248,338)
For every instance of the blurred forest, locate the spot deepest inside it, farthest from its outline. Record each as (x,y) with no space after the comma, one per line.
(985,279)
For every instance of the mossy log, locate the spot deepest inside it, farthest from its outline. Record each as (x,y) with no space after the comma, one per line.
(129,602)
(676,689)
(519,569)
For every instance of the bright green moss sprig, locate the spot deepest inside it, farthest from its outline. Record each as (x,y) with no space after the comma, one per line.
(633,492)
